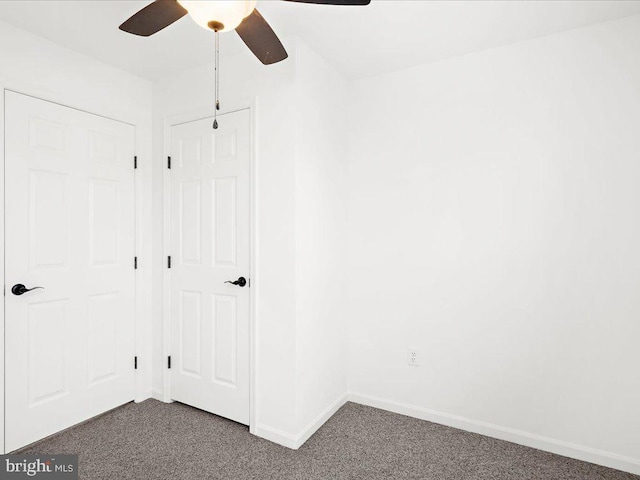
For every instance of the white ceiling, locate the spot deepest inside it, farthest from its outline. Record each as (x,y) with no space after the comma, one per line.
(360,41)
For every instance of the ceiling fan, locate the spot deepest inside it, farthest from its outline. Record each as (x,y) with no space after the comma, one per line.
(221,16)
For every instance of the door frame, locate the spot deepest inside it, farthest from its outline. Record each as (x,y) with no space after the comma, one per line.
(142,179)
(250,104)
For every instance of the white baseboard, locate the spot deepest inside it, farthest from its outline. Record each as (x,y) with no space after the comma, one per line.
(145,395)
(296,441)
(276,436)
(157,394)
(320,420)
(540,442)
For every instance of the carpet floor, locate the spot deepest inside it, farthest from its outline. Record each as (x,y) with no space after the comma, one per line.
(158,441)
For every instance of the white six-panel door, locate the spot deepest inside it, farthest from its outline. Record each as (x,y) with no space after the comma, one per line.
(210,242)
(70,229)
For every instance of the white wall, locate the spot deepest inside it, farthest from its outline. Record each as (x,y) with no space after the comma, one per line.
(321,239)
(34,66)
(494,226)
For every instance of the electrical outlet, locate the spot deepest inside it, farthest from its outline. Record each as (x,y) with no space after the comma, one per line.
(413,357)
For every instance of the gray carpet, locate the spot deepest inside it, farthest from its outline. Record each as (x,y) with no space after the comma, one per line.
(154,441)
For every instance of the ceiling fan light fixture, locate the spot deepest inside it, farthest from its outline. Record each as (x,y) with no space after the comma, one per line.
(218,15)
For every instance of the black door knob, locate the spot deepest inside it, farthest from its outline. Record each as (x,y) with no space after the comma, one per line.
(241,282)
(19,289)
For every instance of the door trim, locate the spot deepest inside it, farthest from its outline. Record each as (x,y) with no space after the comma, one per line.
(142,178)
(171,121)
(2,393)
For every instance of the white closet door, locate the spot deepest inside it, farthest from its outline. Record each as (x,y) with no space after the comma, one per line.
(210,241)
(69,229)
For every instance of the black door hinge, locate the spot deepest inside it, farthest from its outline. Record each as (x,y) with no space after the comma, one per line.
(135,263)
(135,363)
(135,162)
(169,163)
(169,361)
(169,261)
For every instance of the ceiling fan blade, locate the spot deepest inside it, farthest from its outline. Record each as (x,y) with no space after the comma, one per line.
(333,2)
(261,39)
(154,17)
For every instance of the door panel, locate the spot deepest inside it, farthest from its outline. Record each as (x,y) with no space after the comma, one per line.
(225,347)
(210,188)
(70,229)
(48,351)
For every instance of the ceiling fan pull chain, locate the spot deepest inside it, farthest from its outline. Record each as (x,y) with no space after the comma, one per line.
(217,71)
(217,82)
